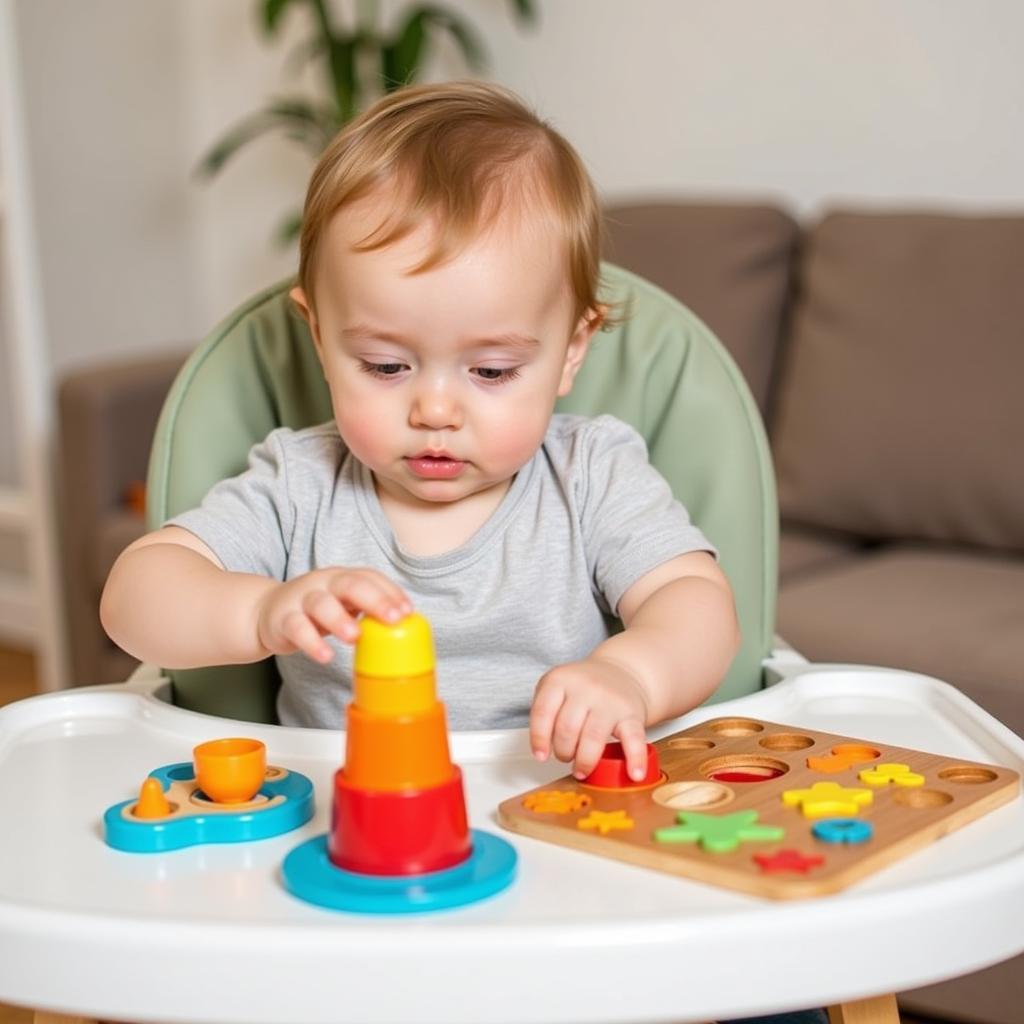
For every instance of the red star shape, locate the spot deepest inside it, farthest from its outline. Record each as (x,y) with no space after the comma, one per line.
(788,860)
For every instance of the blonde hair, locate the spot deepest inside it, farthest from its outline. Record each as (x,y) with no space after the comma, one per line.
(457,150)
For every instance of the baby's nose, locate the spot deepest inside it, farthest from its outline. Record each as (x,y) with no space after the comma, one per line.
(435,408)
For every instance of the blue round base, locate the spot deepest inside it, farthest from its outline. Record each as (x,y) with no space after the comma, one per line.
(310,875)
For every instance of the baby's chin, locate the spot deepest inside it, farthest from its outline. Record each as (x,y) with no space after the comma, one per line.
(443,492)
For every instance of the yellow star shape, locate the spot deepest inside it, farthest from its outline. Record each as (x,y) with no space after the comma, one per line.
(827,800)
(556,801)
(606,821)
(898,774)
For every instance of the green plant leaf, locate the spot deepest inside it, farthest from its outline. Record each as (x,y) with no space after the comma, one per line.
(272,11)
(401,59)
(525,11)
(289,228)
(462,32)
(298,118)
(342,56)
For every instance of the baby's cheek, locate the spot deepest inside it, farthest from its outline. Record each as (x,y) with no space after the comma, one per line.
(362,437)
(514,441)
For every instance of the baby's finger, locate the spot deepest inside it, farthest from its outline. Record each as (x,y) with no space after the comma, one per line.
(363,593)
(546,705)
(568,725)
(593,738)
(299,630)
(329,616)
(631,734)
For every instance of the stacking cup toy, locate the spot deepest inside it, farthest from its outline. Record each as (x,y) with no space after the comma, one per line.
(399,807)
(610,771)
(230,771)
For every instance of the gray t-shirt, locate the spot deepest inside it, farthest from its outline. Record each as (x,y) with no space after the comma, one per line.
(536,586)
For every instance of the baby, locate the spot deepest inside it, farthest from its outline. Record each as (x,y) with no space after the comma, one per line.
(449,275)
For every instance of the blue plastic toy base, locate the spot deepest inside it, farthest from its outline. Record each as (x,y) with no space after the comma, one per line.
(310,875)
(139,835)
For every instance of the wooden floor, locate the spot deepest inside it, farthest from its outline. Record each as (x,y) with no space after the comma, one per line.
(18,680)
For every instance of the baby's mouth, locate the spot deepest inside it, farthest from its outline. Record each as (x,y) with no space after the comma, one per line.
(435,465)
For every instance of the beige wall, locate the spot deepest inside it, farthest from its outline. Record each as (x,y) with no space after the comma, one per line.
(917,101)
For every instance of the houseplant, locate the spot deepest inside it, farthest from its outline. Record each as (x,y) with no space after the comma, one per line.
(358,62)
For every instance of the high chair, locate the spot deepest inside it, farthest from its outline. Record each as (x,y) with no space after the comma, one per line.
(660,370)
(208,933)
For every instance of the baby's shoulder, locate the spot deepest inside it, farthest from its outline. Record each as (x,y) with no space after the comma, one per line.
(575,442)
(305,455)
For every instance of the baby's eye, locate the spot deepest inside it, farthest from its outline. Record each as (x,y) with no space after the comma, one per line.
(381,369)
(496,374)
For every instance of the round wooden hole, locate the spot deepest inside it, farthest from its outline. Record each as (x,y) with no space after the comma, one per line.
(743,768)
(786,741)
(968,774)
(921,799)
(692,794)
(736,727)
(690,743)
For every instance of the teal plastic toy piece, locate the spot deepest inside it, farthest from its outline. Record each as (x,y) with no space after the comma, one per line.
(156,835)
(842,830)
(310,875)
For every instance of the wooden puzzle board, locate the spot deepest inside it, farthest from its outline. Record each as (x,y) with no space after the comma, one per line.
(905,810)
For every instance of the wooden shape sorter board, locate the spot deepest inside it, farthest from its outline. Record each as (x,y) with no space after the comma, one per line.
(740,800)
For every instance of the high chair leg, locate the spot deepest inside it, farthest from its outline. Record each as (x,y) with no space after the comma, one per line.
(877,1010)
(42,1017)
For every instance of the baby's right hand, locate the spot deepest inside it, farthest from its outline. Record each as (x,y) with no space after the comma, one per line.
(297,615)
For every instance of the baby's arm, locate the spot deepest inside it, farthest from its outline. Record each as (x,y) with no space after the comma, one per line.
(681,635)
(169,600)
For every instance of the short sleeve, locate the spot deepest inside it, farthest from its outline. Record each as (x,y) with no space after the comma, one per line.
(631,521)
(247,520)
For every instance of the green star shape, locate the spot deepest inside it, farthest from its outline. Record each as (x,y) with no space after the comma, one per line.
(718,833)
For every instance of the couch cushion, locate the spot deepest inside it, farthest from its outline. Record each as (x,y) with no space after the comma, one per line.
(899,413)
(802,551)
(952,614)
(732,265)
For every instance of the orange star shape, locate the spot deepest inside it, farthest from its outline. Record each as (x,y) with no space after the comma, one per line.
(555,801)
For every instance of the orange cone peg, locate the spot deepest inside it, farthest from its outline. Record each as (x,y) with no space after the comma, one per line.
(152,801)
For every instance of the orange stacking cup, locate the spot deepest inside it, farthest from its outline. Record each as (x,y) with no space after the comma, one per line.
(399,807)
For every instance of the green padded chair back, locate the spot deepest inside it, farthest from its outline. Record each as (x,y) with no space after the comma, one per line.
(661,370)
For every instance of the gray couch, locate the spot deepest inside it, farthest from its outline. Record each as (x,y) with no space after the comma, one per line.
(886,352)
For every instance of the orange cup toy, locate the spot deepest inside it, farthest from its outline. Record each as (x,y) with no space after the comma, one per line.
(230,771)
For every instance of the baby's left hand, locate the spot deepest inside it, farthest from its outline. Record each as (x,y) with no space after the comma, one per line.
(578,706)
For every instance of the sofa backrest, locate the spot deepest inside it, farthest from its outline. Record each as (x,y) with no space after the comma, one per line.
(899,413)
(731,264)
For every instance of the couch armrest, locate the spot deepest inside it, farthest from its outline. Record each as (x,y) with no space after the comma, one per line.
(107,416)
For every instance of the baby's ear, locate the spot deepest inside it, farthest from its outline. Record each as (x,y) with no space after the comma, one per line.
(578,345)
(306,311)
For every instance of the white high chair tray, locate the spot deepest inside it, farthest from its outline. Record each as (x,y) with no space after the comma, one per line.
(208,933)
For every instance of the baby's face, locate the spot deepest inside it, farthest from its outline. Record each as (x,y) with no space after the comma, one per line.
(443,382)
